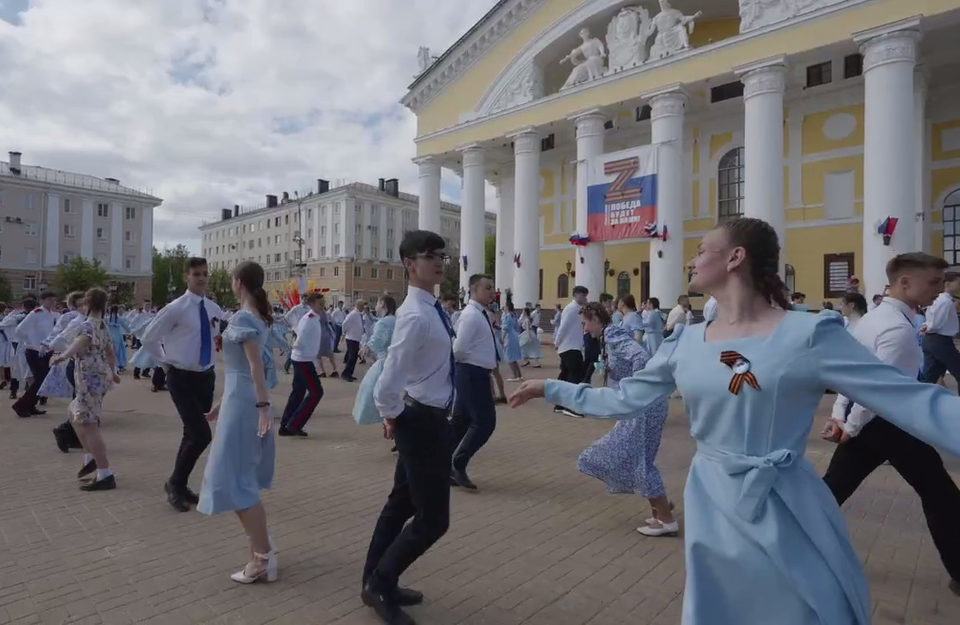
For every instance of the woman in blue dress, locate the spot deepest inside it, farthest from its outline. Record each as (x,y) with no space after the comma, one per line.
(630,319)
(118,328)
(765,539)
(623,459)
(532,351)
(242,455)
(511,341)
(653,326)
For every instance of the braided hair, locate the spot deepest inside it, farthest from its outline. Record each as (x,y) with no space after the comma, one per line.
(759,239)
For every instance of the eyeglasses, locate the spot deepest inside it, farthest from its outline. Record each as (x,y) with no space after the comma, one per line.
(434,256)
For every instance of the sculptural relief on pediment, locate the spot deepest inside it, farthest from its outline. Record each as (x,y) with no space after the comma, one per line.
(758,13)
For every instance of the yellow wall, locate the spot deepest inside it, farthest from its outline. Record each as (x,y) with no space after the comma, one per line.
(939,154)
(815,141)
(805,250)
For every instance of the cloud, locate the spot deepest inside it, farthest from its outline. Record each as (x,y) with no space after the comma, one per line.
(210,103)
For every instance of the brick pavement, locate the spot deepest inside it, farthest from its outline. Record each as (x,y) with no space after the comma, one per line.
(540,544)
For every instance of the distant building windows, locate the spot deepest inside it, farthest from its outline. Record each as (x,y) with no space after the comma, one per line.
(128,263)
(389,274)
(336,272)
(31,228)
(374,272)
(323,271)
(67,207)
(951,228)
(819,74)
(643,112)
(852,65)
(730,185)
(357,272)
(29,283)
(563,286)
(100,235)
(130,212)
(69,231)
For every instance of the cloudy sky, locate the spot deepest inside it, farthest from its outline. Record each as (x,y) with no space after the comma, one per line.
(210,103)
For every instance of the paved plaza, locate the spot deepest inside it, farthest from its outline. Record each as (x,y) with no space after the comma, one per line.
(539,544)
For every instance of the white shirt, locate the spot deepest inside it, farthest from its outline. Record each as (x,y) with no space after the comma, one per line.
(353,326)
(295,314)
(535,317)
(337,316)
(887,332)
(677,315)
(710,310)
(418,361)
(62,340)
(307,345)
(62,322)
(173,337)
(35,327)
(476,342)
(942,316)
(569,333)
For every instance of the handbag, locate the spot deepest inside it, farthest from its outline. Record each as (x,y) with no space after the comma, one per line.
(364,407)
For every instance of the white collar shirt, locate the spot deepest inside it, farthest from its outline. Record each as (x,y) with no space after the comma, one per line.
(36,327)
(710,310)
(295,314)
(307,345)
(419,359)
(62,340)
(476,342)
(173,337)
(678,314)
(535,318)
(353,326)
(888,332)
(942,316)
(62,322)
(337,316)
(569,334)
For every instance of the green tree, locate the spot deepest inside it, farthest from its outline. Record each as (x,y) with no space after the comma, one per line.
(6,290)
(169,267)
(490,256)
(220,289)
(122,294)
(79,274)
(451,279)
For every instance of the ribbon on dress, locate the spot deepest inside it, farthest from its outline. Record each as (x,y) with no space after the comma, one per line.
(741,371)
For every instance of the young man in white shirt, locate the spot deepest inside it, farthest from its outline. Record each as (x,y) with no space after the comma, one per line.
(475,351)
(30,334)
(867,440)
(568,337)
(353,333)
(939,351)
(307,390)
(414,396)
(337,317)
(181,336)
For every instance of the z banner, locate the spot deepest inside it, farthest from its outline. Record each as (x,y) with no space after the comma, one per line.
(622,194)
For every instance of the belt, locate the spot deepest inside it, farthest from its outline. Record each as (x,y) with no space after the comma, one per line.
(760,474)
(433,411)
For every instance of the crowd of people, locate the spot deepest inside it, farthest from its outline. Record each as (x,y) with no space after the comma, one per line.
(758,519)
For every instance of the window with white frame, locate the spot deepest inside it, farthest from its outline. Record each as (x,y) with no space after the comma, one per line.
(28,201)
(69,231)
(389,274)
(100,234)
(730,185)
(103,210)
(323,251)
(951,228)
(336,250)
(31,228)
(68,257)
(336,272)
(67,207)
(357,272)
(130,212)
(30,256)
(128,236)
(374,272)
(29,283)
(323,271)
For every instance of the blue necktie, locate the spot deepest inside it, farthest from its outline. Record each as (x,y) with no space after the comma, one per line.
(446,324)
(494,335)
(205,346)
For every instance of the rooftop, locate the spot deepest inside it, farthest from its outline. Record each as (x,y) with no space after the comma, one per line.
(73,180)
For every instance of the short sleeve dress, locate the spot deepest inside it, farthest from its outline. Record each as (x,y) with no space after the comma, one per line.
(241,463)
(93,375)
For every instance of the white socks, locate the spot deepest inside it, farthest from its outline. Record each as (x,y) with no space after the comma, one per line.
(103,474)
(87,458)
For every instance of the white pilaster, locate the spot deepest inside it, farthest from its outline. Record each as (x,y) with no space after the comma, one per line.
(505,225)
(889,171)
(795,159)
(472,214)
(429,218)
(52,234)
(116,236)
(526,231)
(86,230)
(763,86)
(921,165)
(382,230)
(666,131)
(588,260)
(317,240)
(146,239)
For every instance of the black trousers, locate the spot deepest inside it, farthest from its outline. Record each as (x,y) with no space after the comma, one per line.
(66,428)
(304,396)
(350,360)
(192,394)
(421,494)
(939,356)
(39,367)
(159,378)
(571,367)
(591,353)
(919,464)
(474,413)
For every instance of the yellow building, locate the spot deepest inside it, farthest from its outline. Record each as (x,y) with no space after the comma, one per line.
(824,117)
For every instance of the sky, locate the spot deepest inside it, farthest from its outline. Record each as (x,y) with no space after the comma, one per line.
(211,103)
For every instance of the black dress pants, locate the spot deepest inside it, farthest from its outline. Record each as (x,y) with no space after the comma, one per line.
(305,393)
(421,494)
(939,356)
(350,360)
(39,367)
(192,394)
(919,464)
(591,353)
(474,413)
(571,367)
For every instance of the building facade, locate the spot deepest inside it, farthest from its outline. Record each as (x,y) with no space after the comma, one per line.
(345,239)
(826,118)
(49,217)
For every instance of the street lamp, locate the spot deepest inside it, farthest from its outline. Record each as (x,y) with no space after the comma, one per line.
(606,272)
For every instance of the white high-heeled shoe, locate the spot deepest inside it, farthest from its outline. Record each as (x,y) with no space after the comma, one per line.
(267,573)
(660,529)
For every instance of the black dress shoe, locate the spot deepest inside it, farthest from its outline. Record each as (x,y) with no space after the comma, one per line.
(386,607)
(87,469)
(461,479)
(37,411)
(954,587)
(42,401)
(107,483)
(176,498)
(299,433)
(23,414)
(191,496)
(61,437)
(284,432)
(408,596)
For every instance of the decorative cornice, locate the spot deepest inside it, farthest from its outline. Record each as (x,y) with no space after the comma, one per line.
(472,155)
(668,101)
(898,47)
(496,25)
(525,141)
(588,123)
(761,78)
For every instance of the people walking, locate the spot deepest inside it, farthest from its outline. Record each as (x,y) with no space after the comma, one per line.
(511,343)
(181,337)
(653,326)
(118,330)
(530,340)
(30,333)
(336,318)
(306,391)
(941,326)
(353,333)
(59,340)
(568,337)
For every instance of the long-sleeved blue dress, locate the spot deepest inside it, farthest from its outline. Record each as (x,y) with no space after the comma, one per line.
(511,333)
(653,331)
(118,327)
(765,539)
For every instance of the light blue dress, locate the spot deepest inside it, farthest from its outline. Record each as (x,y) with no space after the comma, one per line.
(653,331)
(364,409)
(241,463)
(765,539)
(512,337)
(532,350)
(118,327)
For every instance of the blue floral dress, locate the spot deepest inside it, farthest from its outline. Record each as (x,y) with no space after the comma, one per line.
(623,459)
(92,374)
(241,463)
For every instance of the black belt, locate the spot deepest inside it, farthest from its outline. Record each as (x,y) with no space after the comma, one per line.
(433,411)
(208,371)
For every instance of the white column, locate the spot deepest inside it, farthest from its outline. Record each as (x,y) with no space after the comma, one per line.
(889,172)
(922,171)
(472,214)
(666,131)
(588,260)
(146,239)
(317,241)
(526,218)
(429,193)
(86,229)
(505,226)
(116,236)
(763,86)
(382,230)
(52,233)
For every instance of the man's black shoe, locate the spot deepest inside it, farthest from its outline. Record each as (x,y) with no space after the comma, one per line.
(176,498)
(62,443)
(87,469)
(385,606)
(191,496)
(284,431)
(408,596)
(299,433)
(460,479)
(23,414)
(107,483)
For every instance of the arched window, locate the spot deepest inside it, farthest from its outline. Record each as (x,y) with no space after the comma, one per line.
(563,286)
(623,284)
(951,228)
(730,185)
(790,278)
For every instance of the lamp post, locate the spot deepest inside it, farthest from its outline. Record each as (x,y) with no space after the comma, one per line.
(606,272)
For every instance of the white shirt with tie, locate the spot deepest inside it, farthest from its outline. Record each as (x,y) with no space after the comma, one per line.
(337,316)
(35,327)
(889,334)
(418,361)
(173,337)
(475,343)
(942,316)
(568,336)
(307,345)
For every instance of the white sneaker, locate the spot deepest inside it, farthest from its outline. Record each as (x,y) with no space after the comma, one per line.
(660,529)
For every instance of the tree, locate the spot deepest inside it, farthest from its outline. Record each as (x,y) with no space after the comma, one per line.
(6,290)
(490,256)
(122,294)
(79,274)
(451,279)
(220,289)
(169,267)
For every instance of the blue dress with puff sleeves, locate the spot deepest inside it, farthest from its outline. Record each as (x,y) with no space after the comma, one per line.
(241,463)
(765,539)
